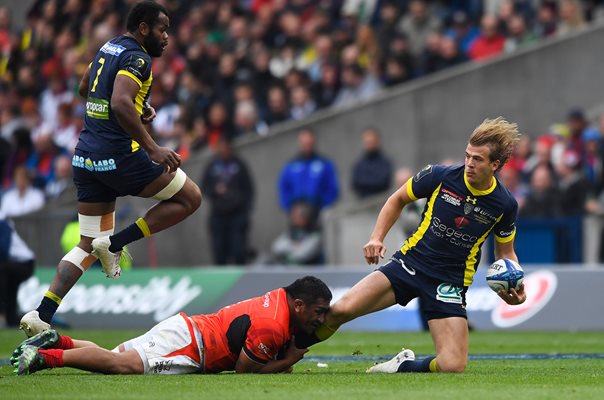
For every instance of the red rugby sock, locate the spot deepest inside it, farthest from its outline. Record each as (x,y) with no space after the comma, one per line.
(65,343)
(53,358)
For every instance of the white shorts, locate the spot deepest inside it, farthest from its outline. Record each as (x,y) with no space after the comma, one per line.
(174,346)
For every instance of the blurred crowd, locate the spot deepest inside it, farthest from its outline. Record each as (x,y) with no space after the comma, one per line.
(234,68)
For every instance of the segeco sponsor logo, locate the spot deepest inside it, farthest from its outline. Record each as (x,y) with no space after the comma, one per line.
(158,297)
(93,165)
(454,236)
(540,286)
(97,108)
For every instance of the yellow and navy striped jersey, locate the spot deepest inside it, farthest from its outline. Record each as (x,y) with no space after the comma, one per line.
(102,133)
(456,221)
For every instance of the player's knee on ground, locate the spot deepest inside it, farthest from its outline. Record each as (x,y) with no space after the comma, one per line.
(451,364)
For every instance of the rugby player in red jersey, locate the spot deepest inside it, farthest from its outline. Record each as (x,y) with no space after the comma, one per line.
(252,336)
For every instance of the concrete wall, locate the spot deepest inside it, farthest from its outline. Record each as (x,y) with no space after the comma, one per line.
(424,121)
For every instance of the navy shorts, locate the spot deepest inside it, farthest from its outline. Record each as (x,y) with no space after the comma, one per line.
(102,177)
(438,299)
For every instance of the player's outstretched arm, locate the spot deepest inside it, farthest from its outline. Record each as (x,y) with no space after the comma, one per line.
(292,355)
(374,250)
(122,105)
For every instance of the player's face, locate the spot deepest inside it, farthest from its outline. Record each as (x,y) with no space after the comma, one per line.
(310,316)
(479,168)
(157,39)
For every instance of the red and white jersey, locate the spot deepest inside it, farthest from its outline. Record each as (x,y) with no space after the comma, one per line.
(259,326)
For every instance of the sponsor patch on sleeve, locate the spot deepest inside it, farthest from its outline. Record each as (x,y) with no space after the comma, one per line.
(425,171)
(138,66)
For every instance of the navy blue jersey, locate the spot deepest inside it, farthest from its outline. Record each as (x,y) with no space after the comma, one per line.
(455,223)
(102,133)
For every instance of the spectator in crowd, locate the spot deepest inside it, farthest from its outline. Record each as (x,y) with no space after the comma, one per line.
(62,178)
(309,177)
(278,106)
(462,31)
(542,156)
(23,198)
(67,131)
(17,263)
(356,86)
(42,160)
(302,104)
(19,152)
(577,124)
(228,185)
(518,34)
(490,42)
(574,186)
(246,119)
(372,173)
(219,125)
(593,143)
(301,243)
(510,178)
(327,87)
(543,198)
(546,21)
(417,25)
(571,17)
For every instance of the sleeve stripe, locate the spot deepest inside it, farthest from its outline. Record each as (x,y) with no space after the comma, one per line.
(505,239)
(410,189)
(253,357)
(131,75)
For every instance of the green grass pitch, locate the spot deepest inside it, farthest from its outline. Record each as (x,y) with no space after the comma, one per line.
(549,378)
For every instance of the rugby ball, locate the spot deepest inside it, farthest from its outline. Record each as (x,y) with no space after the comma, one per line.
(504,274)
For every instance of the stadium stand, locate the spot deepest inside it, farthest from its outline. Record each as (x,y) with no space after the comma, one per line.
(252,70)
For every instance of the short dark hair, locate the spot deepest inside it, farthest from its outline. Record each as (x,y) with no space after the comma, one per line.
(145,11)
(309,289)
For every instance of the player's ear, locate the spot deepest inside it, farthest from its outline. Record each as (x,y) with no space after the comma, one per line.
(496,165)
(144,28)
(299,305)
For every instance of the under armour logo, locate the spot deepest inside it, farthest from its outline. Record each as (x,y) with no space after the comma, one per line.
(471,200)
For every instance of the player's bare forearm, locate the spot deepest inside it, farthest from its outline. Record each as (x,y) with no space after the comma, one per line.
(505,250)
(130,121)
(388,215)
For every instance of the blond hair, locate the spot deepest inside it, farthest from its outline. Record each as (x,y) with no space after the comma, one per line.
(500,135)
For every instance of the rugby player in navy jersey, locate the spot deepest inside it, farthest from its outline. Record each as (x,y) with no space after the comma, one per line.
(437,263)
(116,156)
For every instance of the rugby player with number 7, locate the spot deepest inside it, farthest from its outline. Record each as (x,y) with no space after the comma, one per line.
(116,156)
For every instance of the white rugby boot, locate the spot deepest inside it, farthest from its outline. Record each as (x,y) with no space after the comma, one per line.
(391,366)
(31,324)
(109,261)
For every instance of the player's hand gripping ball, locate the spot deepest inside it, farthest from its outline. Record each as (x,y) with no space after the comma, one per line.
(505,274)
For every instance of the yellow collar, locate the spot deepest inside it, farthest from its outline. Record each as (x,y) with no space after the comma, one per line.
(477,192)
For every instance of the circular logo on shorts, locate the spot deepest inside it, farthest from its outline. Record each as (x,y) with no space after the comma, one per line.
(540,286)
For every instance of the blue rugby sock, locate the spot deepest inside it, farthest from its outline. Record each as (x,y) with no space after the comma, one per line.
(134,232)
(47,308)
(417,365)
